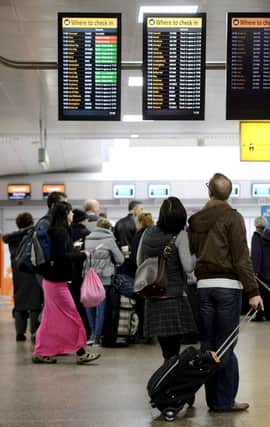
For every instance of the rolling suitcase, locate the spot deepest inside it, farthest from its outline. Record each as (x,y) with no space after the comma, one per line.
(121,321)
(175,383)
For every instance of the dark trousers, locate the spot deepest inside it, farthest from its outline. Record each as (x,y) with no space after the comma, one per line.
(220,310)
(170,346)
(21,321)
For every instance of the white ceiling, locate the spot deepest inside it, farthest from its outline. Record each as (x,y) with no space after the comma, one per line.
(28,32)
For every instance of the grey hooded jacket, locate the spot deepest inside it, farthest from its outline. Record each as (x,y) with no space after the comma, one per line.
(105,253)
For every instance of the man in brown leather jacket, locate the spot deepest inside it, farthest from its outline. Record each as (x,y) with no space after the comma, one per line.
(223,268)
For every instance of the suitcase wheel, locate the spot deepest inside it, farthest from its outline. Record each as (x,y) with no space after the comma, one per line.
(169,414)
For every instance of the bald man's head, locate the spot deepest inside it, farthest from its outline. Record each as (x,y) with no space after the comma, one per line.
(220,187)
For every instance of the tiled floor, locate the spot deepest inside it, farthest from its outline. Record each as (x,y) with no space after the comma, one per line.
(111,392)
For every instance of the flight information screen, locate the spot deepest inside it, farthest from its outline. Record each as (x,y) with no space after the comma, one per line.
(248,66)
(89,66)
(174,67)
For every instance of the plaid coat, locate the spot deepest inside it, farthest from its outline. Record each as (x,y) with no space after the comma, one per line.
(172,316)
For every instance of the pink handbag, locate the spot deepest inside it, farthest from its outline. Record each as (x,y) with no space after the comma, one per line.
(92,290)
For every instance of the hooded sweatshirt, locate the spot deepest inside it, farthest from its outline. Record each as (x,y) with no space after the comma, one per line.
(105,253)
(218,239)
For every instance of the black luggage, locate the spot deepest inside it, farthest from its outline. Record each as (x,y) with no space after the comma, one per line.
(176,382)
(121,321)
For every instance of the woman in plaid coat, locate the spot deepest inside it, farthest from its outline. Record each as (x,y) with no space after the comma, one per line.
(169,316)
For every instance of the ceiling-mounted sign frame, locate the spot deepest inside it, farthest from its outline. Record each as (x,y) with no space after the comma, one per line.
(89,66)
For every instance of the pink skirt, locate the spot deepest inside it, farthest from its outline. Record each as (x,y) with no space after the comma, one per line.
(61,330)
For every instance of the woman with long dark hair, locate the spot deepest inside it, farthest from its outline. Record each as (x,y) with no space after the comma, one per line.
(169,317)
(61,330)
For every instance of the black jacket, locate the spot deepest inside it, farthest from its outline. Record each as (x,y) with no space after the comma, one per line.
(124,231)
(27,292)
(78,232)
(62,255)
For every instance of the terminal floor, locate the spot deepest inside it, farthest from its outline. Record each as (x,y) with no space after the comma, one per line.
(111,392)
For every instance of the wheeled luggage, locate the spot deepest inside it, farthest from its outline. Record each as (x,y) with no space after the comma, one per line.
(121,321)
(176,382)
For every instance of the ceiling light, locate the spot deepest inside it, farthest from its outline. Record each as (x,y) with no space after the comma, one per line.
(134,135)
(135,81)
(165,9)
(132,118)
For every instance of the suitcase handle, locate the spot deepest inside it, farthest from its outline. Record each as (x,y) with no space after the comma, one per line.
(235,333)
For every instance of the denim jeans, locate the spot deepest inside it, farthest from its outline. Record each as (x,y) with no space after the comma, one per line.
(220,310)
(96,316)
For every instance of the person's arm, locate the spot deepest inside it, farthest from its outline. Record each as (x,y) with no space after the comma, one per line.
(117,255)
(241,260)
(63,248)
(187,260)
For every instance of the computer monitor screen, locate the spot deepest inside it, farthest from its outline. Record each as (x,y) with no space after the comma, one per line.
(158,191)
(260,190)
(124,191)
(89,66)
(248,66)
(174,66)
(49,188)
(19,191)
(235,190)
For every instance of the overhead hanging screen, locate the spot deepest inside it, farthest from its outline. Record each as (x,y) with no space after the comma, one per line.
(19,191)
(89,66)
(174,67)
(124,191)
(248,66)
(49,188)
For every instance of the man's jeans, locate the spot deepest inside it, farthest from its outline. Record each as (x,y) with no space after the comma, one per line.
(220,310)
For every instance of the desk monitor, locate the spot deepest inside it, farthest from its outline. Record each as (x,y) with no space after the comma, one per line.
(19,191)
(174,66)
(49,188)
(156,191)
(248,66)
(124,191)
(260,190)
(89,66)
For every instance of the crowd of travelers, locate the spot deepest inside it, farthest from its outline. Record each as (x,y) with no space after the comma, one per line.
(211,245)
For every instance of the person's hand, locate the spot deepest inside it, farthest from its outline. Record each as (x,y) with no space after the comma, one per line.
(87,254)
(256,302)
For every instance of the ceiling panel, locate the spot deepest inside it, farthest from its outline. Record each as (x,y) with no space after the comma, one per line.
(28,31)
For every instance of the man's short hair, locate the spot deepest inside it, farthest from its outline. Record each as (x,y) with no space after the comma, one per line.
(24,220)
(90,205)
(55,197)
(220,186)
(133,204)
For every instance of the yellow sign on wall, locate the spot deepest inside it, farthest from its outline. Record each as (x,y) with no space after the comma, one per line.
(255,141)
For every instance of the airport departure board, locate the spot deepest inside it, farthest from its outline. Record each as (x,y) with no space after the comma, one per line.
(174,67)
(89,66)
(248,66)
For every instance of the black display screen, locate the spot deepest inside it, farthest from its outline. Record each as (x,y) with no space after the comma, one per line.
(89,66)
(248,66)
(174,67)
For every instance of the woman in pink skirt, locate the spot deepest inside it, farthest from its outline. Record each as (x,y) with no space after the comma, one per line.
(61,330)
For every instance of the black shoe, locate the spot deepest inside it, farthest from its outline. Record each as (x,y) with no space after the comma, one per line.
(20,337)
